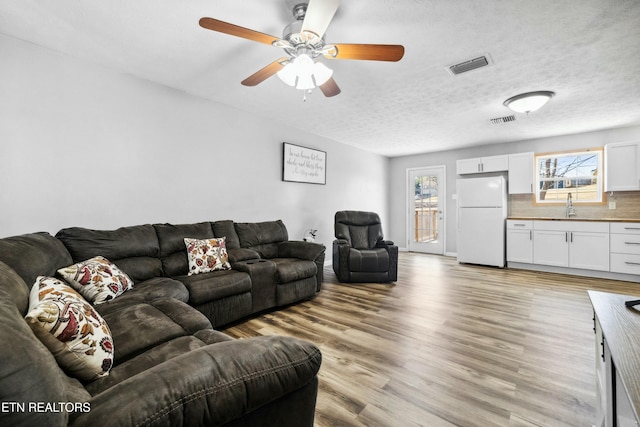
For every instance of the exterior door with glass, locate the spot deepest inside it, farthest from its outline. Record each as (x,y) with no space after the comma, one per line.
(426,188)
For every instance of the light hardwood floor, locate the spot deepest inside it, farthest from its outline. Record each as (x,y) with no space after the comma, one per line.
(450,345)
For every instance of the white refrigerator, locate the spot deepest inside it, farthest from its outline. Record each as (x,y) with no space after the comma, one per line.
(482,214)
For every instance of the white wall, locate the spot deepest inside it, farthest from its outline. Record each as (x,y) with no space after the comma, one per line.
(82,145)
(398,204)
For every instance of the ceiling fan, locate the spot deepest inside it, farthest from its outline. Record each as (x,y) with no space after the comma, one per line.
(303,41)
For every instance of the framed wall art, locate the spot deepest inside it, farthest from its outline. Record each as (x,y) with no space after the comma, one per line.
(302,164)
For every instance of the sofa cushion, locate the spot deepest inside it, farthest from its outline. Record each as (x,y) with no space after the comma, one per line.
(155,356)
(149,290)
(28,370)
(172,249)
(136,328)
(215,285)
(97,279)
(257,233)
(369,260)
(13,288)
(214,385)
(206,255)
(227,229)
(292,269)
(263,237)
(33,255)
(77,336)
(139,242)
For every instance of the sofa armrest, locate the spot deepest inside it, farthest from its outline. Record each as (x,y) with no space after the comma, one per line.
(384,243)
(242,254)
(341,248)
(301,250)
(212,385)
(341,242)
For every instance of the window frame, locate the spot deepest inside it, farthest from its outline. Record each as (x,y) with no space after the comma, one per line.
(598,177)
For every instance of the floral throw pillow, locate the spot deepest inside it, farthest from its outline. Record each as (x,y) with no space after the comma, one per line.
(207,255)
(77,336)
(97,279)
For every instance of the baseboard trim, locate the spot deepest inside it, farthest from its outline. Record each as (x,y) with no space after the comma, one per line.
(574,271)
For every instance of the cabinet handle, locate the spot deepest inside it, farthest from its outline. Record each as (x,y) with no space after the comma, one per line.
(530,235)
(632,243)
(566,236)
(632,263)
(632,228)
(571,236)
(519,225)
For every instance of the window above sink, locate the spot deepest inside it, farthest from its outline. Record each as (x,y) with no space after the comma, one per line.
(576,173)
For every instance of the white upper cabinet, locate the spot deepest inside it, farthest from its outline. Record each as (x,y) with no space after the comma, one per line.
(622,166)
(521,173)
(483,165)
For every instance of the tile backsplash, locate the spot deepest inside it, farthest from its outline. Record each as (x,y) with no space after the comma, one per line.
(627,207)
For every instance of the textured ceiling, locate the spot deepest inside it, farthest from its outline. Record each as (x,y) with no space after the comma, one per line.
(587,51)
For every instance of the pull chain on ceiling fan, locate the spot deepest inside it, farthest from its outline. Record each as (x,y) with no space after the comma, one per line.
(303,41)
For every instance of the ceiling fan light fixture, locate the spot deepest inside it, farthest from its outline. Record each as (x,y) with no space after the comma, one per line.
(288,74)
(303,73)
(305,82)
(321,73)
(528,102)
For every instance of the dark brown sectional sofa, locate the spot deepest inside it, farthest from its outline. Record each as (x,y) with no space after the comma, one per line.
(170,366)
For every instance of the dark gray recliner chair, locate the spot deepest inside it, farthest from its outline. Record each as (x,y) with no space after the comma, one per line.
(360,253)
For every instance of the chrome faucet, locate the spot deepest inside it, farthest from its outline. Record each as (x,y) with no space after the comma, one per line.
(570,209)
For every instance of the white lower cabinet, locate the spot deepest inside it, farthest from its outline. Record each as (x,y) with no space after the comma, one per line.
(625,247)
(573,244)
(576,247)
(520,241)
(589,251)
(551,248)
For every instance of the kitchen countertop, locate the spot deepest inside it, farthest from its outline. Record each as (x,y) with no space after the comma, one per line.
(620,326)
(542,218)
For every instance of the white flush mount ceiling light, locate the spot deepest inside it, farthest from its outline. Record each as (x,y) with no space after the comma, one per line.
(528,102)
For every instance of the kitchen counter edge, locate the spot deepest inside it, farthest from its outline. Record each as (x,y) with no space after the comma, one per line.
(541,218)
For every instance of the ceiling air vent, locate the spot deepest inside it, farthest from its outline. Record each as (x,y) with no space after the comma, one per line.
(504,119)
(472,64)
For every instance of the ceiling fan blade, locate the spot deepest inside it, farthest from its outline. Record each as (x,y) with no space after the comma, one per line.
(235,30)
(330,88)
(266,72)
(371,52)
(319,15)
